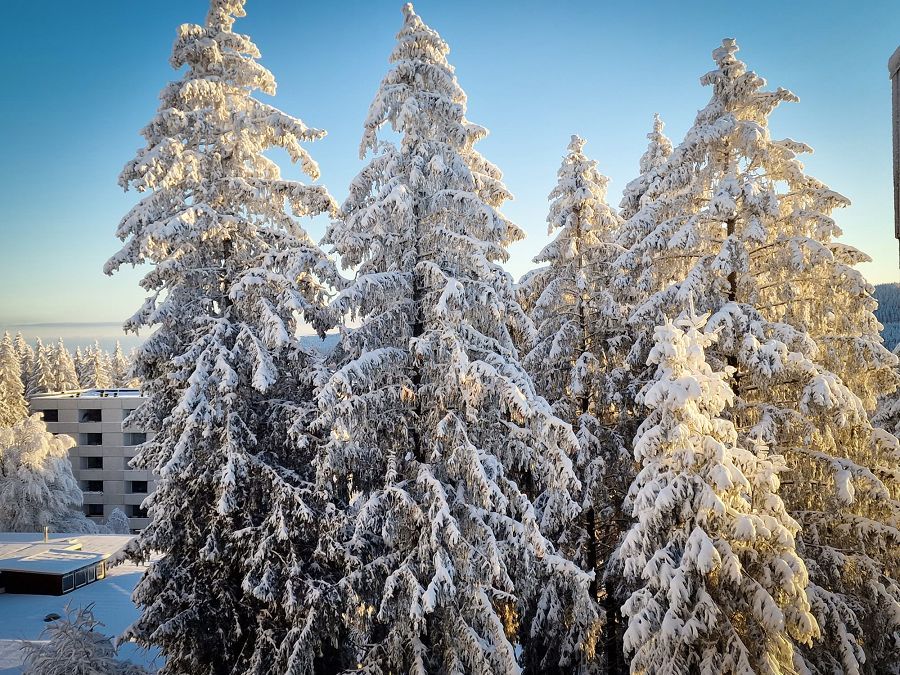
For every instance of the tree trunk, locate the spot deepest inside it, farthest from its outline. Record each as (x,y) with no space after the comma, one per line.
(732,297)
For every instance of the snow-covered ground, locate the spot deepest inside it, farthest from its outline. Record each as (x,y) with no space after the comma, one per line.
(22,616)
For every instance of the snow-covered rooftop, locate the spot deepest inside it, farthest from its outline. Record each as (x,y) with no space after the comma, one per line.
(60,554)
(22,616)
(91,393)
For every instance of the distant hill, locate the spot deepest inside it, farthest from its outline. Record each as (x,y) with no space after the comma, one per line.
(888,312)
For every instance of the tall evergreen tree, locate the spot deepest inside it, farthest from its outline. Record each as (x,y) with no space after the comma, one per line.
(723,589)
(658,150)
(575,362)
(732,220)
(430,413)
(26,363)
(242,586)
(82,367)
(120,367)
(13,406)
(98,373)
(64,376)
(43,379)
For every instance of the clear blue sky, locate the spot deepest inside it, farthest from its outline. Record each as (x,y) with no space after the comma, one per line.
(82,78)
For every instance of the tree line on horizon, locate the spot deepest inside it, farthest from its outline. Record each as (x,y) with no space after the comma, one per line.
(661,451)
(45,369)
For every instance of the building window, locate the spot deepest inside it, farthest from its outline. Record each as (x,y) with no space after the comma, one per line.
(135,438)
(126,412)
(80,578)
(94,509)
(139,487)
(68,582)
(50,415)
(92,462)
(90,439)
(137,511)
(90,415)
(93,485)
(101,570)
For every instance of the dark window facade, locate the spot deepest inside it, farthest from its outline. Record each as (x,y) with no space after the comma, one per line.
(90,439)
(50,415)
(137,511)
(139,487)
(93,462)
(94,509)
(91,415)
(93,486)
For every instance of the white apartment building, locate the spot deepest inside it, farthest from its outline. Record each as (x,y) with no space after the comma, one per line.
(104,446)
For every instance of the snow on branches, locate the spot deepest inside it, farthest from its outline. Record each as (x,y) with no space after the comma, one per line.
(732,222)
(37,488)
(721,587)
(13,406)
(454,469)
(228,383)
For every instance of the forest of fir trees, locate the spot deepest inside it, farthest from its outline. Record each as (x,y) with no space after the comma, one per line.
(669,448)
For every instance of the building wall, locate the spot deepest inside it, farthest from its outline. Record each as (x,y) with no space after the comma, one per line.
(51,583)
(120,484)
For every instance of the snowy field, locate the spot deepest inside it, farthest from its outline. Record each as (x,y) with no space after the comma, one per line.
(22,616)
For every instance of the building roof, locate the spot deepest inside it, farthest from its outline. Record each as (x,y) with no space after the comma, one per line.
(894,63)
(60,554)
(91,393)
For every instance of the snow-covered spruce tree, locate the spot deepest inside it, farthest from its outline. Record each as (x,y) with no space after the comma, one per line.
(576,362)
(430,412)
(97,371)
(243,584)
(74,645)
(26,363)
(118,522)
(120,367)
(658,150)
(723,589)
(37,488)
(734,222)
(13,406)
(43,379)
(63,368)
(82,367)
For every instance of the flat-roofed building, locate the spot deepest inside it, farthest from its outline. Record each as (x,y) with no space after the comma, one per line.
(103,448)
(54,564)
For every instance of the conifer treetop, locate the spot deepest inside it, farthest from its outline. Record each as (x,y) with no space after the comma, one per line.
(210,184)
(732,222)
(659,148)
(658,151)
